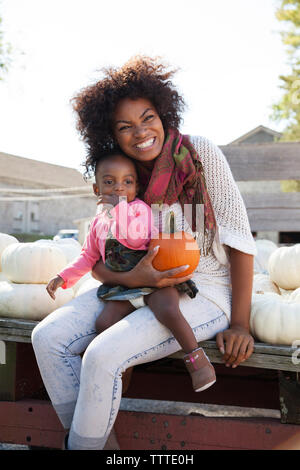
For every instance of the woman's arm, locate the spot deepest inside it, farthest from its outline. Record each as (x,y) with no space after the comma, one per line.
(238,340)
(142,275)
(242,284)
(107,276)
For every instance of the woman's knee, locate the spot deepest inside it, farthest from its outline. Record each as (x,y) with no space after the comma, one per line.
(47,335)
(40,337)
(103,354)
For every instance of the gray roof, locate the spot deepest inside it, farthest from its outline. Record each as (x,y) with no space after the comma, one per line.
(26,172)
(254,131)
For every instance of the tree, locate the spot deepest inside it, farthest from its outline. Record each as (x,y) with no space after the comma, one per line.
(288,108)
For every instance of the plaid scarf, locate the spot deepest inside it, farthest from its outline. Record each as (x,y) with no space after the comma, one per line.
(178,175)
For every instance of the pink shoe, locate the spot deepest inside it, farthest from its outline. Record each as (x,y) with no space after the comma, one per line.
(201,370)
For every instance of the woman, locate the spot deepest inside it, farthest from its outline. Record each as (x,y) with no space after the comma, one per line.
(138,109)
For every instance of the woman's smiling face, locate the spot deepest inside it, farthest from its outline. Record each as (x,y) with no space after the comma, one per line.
(138,129)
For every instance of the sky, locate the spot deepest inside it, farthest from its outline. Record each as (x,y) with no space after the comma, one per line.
(229,54)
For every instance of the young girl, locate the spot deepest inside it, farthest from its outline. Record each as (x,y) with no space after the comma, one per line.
(120,235)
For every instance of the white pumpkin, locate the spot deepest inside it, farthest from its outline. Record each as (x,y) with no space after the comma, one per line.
(284,266)
(30,301)
(68,241)
(263,283)
(264,249)
(32,263)
(275,319)
(6,240)
(3,277)
(87,285)
(70,247)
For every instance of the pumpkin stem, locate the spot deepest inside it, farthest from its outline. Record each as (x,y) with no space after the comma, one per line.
(172,222)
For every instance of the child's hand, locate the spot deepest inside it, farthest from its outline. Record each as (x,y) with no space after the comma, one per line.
(108,199)
(54,284)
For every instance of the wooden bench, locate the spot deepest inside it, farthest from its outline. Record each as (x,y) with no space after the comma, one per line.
(265,355)
(151,419)
(27,417)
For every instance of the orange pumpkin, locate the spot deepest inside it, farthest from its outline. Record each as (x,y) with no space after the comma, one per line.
(175,249)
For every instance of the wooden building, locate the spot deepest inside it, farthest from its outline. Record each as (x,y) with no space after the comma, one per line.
(41,198)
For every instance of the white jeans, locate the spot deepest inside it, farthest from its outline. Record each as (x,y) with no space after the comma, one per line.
(86,392)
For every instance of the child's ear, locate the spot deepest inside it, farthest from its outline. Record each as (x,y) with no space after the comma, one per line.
(96,189)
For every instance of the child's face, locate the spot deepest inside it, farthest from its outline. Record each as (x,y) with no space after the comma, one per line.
(116,175)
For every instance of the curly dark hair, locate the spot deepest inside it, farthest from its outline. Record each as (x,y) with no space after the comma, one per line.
(140,77)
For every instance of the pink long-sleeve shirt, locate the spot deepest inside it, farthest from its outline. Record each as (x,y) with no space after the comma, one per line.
(132,224)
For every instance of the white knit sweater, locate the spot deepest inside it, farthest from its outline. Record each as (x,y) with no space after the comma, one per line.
(212,275)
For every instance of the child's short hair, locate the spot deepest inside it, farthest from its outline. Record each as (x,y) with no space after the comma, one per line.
(109,154)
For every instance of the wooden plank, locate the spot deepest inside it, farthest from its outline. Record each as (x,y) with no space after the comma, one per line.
(30,422)
(34,422)
(15,337)
(259,347)
(267,358)
(276,220)
(265,355)
(151,431)
(277,211)
(258,162)
(16,329)
(256,360)
(28,325)
(19,323)
(272,200)
(204,409)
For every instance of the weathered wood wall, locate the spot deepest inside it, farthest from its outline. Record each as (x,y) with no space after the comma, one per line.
(258,162)
(268,162)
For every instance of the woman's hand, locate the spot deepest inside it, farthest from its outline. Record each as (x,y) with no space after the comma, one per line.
(238,346)
(147,276)
(142,275)
(53,285)
(239,343)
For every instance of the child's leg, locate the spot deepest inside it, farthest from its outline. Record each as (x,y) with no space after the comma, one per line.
(113,311)
(164,303)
